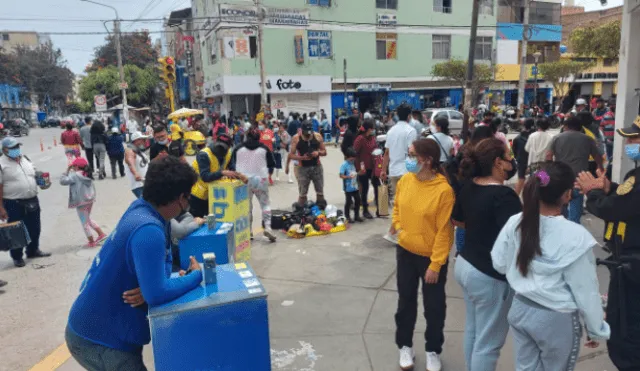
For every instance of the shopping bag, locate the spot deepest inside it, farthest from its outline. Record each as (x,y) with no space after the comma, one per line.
(383,200)
(13,236)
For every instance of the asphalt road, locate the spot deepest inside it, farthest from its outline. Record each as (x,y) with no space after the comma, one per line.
(331,299)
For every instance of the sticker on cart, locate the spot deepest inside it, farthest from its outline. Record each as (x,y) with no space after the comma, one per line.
(245,274)
(255,290)
(241,266)
(251,282)
(224,228)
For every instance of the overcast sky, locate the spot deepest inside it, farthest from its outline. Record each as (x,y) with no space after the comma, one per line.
(77,16)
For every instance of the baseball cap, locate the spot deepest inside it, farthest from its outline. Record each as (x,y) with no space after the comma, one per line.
(581,102)
(80,162)
(307,127)
(10,142)
(138,135)
(632,131)
(115,130)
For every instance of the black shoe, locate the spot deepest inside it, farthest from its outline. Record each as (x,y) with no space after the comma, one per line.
(19,263)
(367,214)
(38,254)
(349,220)
(3,283)
(358,219)
(100,177)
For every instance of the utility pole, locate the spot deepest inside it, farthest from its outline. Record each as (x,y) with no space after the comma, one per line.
(346,98)
(468,91)
(125,110)
(263,74)
(523,58)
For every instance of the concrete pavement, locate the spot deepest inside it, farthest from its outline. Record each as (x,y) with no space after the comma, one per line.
(331,298)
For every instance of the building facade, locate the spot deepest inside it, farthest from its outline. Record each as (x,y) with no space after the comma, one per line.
(9,40)
(387,46)
(545,35)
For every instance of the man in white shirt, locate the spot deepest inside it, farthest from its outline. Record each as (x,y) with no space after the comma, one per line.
(539,142)
(399,138)
(19,193)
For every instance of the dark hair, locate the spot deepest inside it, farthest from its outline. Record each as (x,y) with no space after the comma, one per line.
(418,115)
(253,135)
(600,100)
(87,119)
(479,159)
(68,126)
(166,180)
(429,149)
(573,123)
(561,178)
(350,152)
(97,128)
(529,123)
(480,133)
(158,129)
(404,110)
(543,124)
(495,124)
(443,124)
(368,124)
(487,113)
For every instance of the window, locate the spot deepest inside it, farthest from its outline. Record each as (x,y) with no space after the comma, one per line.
(441,46)
(212,48)
(484,48)
(387,4)
(386,45)
(442,6)
(239,47)
(440,114)
(486,7)
(319,2)
(5,36)
(319,44)
(608,62)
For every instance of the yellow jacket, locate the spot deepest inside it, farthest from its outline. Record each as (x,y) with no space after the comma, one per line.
(422,217)
(201,188)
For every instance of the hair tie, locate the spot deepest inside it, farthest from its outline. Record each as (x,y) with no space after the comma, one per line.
(544,177)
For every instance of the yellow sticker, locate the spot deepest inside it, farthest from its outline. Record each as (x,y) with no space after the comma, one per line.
(626,187)
(609,232)
(241,266)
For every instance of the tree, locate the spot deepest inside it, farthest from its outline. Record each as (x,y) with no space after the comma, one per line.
(456,70)
(561,74)
(597,41)
(142,84)
(136,50)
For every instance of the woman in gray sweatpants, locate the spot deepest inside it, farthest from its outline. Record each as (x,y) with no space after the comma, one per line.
(549,263)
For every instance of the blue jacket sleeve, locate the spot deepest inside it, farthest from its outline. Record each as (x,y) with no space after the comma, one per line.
(204,165)
(147,246)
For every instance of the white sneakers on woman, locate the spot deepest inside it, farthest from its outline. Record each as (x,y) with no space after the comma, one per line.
(407,356)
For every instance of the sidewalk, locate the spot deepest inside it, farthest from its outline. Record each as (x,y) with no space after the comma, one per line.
(332,300)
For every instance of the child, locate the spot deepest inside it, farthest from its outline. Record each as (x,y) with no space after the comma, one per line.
(82,195)
(549,263)
(349,177)
(182,226)
(115,151)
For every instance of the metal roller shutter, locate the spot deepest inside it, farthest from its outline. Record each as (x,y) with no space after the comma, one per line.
(586,89)
(303,103)
(607,90)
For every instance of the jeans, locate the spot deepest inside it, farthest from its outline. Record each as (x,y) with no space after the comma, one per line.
(31,219)
(96,357)
(119,159)
(137,192)
(411,271)
(487,302)
(459,239)
(100,151)
(573,211)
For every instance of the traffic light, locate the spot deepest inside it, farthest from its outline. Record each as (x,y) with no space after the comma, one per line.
(168,69)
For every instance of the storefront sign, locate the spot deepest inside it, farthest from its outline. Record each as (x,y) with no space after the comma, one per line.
(387,20)
(238,13)
(298,49)
(235,85)
(319,44)
(288,17)
(374,87)
(212,88)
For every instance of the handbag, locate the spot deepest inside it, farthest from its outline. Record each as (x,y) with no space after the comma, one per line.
(14,236)
(383,199)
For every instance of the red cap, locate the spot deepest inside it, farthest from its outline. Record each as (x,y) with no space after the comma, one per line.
(80,162)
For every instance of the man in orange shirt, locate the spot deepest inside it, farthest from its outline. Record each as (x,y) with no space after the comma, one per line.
(267,137)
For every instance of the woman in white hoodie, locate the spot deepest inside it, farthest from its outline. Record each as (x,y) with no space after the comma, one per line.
(549,263)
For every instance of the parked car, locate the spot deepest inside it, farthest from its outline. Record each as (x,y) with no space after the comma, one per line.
(18,128)
(455,117)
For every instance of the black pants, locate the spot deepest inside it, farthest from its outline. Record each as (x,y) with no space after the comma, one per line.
(198,208)
(17,211)
(119,159)
(351,199)
(364,180)
(624,349)
(89,153)
(411,271)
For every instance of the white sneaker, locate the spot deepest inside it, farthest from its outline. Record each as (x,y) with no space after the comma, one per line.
(406,358)
(290,181)
(433,362)
(390,238)
(268,233)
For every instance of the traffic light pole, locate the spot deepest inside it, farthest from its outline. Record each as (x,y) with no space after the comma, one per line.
(172,105)
(125,110)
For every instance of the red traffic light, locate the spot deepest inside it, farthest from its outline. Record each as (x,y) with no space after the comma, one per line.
(169,60)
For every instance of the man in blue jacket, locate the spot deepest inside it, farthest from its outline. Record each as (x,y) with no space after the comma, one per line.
(108,324)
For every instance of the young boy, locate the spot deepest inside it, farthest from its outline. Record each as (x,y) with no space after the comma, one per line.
(348,174)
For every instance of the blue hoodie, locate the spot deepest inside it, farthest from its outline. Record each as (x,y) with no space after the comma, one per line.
(563,278)
(136,254)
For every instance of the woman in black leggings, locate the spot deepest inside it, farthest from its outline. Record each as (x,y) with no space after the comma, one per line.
(364,145)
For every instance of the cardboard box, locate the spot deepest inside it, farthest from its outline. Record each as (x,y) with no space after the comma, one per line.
(229,202)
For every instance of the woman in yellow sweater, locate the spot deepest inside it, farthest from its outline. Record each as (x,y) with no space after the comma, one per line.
(421,219)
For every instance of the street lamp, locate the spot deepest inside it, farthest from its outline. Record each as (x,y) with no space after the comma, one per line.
(536,57)
(116,30)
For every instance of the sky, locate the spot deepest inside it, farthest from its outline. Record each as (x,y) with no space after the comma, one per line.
(78,16)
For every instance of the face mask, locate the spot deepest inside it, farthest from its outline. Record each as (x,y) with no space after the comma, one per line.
(396,118)
(433,128)
(275,130)
(142,147)
(163,142)
(412,165)
(261,127)
(13,152)
(632,151)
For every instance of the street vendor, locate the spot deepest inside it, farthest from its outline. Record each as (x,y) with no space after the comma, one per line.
(211,165)
(307,147)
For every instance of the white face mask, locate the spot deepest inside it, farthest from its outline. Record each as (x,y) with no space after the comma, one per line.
(433,128)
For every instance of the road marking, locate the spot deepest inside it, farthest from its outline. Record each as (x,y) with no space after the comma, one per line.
(45,158)
(54,360)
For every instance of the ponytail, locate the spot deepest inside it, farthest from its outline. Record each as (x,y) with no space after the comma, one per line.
(529,225)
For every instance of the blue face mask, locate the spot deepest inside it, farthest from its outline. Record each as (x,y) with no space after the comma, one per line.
(412,165)
(13,152)
(396,118)
(632,151)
